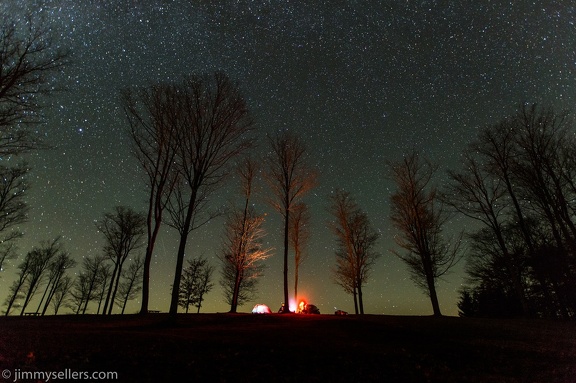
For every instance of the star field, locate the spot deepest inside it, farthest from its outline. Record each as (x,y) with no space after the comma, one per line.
(363,81)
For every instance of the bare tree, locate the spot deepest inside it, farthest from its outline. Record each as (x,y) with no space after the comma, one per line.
(248,283)
(290,176)
(90,281)
(103,277)
(478,194)
(417,214)
(41,259)
(62,293)
(16,289)
(204,286)
(131,283)
(195,283)
(242,250)
(57,268)
(29,59)
(13,208)
(299,238)
(213,130)
(153,119)
(7,252)
(524,254)
(356,238)
(124,231)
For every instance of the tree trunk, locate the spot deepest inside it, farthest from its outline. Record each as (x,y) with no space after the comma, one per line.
(51,293)
(360,302)
(184,231)
(43,296)
(178,274)
(355,301)
(433,296)
(29,295)
(147,263)
(286,232)
(107,301)
(296,282)
(113,297)
(236,292)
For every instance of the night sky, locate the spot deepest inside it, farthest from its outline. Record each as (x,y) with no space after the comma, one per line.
(363,82)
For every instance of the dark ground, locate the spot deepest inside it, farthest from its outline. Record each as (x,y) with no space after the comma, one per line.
(293,348)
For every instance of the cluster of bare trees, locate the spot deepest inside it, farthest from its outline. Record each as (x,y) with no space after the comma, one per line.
(290,176)
(43,266)
(518,181)
(195,283)
(29,60)
(102,278)
(186,135)
(355,253)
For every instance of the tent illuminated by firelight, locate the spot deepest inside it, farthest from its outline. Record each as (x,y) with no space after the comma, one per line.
(261,309)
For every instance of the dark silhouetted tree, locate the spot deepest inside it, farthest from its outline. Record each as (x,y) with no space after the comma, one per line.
(478,194)
(80,294)
(290,176)
(13,208)
(195,283)
(124,231)
(131,283)
(41,259)
(7,252)
(247,290)
(214,126)
(418,217)
(24,269)
(61,294)
(530,157)
(356,238)
(29,60)
(89,282)
(103,277)
(299,238)
(153,116)
(57,269)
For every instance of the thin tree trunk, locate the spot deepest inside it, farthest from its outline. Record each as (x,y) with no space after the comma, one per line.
(118,276)
(355,301)
(51,293)
(43,296)
(296,282)
(286,231)
(360,302)
(184,231)
(236,292)
(107,301)
(147,264)
(433,296)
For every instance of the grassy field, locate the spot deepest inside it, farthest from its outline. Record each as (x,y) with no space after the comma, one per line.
(291,348)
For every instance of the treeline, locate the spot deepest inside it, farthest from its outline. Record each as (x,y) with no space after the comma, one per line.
(518,180)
